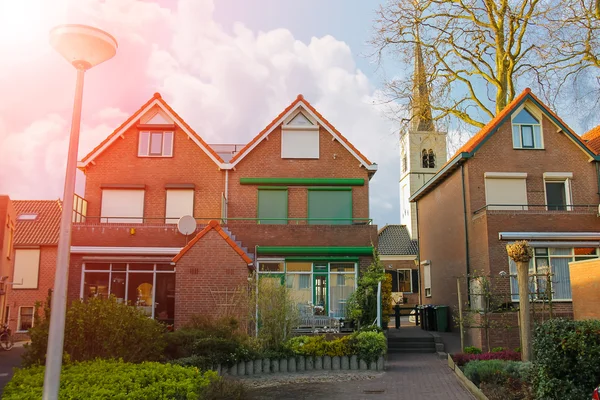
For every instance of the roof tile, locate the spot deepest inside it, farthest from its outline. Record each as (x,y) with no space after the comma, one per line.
(42,231)
(394,240)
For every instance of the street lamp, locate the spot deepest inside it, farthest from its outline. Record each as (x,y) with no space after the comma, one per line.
(84,47)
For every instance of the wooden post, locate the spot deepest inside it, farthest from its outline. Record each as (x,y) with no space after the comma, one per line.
(524,317)
(460,316)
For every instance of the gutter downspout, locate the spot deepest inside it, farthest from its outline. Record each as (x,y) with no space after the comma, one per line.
(226,194)
(418,259)
(598,176)
(462,172)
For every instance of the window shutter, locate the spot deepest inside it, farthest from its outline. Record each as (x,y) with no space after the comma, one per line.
(299,143)
(506,193)
(120,205)
(179,203)
(415,280)
(335,204)
(273,204)
(27,268)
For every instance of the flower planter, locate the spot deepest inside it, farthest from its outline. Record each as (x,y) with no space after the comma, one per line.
(284,366)
(241,368)
(318,363)
(380,363)
(274,366)
(327,363)
(266,365)
(363,365)
(310,363)
(249,367)
(258,366)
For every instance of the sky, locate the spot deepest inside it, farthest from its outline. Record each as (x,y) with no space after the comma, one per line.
(228,67)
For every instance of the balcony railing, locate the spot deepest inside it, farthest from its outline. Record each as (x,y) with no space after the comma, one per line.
(538,208)
(201,220)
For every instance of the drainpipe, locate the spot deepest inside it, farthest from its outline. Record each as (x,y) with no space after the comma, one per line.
(418,259)
(226,194)
(462,171)
(598,176)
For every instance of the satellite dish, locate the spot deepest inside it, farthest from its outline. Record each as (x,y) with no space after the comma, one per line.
(186,225)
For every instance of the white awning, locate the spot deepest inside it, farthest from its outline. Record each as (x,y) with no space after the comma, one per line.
(125,250)
(569,236)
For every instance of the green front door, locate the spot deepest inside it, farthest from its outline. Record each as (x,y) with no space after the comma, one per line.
(321,295)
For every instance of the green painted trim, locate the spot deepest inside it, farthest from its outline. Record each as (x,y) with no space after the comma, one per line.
(322,258)
(304,181)
(272,188)
(338,189)
(315,250)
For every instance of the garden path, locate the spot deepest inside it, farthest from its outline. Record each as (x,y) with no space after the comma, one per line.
(407,376)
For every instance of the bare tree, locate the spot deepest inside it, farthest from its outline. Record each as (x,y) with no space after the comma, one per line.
(475,51)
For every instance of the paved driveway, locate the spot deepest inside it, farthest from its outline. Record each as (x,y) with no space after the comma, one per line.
(9,360)
(408,376)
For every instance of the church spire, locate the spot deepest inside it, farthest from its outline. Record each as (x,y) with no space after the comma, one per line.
(421,118)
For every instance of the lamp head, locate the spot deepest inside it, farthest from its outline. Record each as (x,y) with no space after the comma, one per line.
(83,46)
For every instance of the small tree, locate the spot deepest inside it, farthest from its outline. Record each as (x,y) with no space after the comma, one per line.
(386,299)
(273,311)
(521,253)
(362,304)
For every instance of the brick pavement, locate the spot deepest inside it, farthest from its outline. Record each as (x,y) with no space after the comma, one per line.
(408,376)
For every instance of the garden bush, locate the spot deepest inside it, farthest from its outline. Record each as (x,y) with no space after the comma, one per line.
(318,346)
(110,379)
(472,350)
(566,355)
(496,371)
(100,328)
(461,359)
(370,345)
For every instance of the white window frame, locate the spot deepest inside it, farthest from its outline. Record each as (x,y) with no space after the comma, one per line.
(536,114)
(19,330)
(427,277)
(560,177)
(410,276)
(166,151)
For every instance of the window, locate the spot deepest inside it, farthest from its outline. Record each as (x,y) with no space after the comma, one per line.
(404,163)
(25,319)
(180,202)
(148,286)
(27,268)
(506,190)
(405,280)
(326,204)
(558,190)
(428,158)
(527,133)
(27,217)
(156,144)
(299,143)
(556,262)
(273,206)
(122,205)
(427,278)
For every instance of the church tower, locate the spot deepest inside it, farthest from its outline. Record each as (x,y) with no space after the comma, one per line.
(422,148)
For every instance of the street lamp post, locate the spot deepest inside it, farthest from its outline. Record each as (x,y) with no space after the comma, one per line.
(84,47)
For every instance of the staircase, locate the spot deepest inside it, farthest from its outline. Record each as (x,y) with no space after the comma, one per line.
(411,344)
(239,243)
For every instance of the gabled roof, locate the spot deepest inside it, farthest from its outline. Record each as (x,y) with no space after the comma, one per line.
(214,225)
(470,148)
(44,229)
(156,100)
(300,102)
(394,240)
(592,139)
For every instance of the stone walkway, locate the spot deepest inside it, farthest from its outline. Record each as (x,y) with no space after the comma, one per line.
(408,376)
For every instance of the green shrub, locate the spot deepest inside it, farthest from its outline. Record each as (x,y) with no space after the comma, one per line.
(370,345)
(225,327)
(361,306)
(109,379)
(181,342)
(224,389)
(492,371)
(341,347)
(566,355)
(497,349)
(472,350)
(100,328)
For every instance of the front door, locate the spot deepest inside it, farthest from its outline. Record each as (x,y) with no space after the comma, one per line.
(321,296)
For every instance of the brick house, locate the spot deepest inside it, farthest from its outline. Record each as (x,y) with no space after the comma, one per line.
(292,204)
(525,175)
(7,232)
(398,253)
(32,272)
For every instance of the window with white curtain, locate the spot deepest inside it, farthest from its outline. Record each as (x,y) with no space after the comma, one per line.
(553,260)
(427,279)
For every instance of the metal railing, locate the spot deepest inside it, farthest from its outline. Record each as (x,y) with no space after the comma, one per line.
(200,220)
(582,208)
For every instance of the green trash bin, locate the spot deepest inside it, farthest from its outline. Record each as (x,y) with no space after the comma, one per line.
(442,318)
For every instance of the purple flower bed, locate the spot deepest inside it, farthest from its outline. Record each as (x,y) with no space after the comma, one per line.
(461,359)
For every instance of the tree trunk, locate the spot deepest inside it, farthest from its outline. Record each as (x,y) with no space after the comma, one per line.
(525,326)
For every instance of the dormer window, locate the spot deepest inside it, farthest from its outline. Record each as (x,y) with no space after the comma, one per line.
(156,144)
(527,131)
(27,217)
(300,137)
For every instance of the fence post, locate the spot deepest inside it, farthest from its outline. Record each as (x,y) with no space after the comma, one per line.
(397,315)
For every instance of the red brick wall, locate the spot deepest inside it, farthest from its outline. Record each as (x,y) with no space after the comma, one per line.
(265,161)
(119,164)
(411,298)
(7,222)
(119,235)
(585,289)
(28,297)
(208,269)
(442,239)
